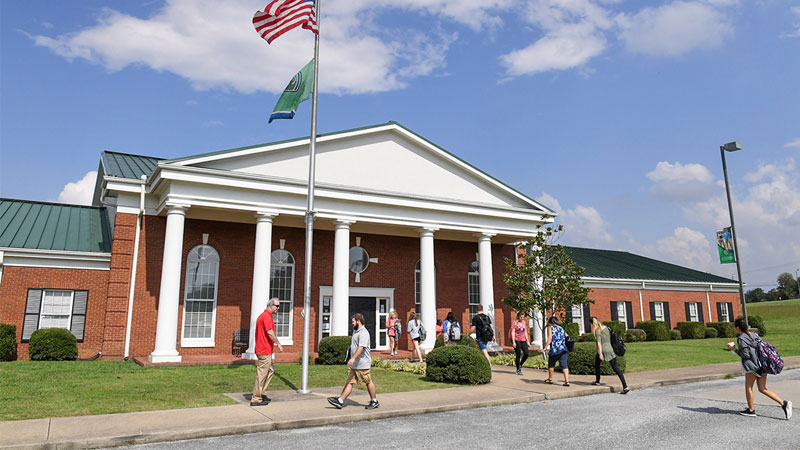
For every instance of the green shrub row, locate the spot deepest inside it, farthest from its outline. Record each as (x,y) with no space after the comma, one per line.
(587,337)
(724,329)
(8,342)
(617,326)
(635,335)
(333,349)
(572,329)
(655,330)
(458,364)
(53,344)
(581,360)
(399,366)
(674,335)
(692,330)
(757,322)
(711,333)
(535,361)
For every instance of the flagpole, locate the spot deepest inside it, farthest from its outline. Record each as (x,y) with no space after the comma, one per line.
(310,213)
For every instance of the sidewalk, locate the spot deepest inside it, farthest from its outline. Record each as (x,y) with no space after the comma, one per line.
(290,410)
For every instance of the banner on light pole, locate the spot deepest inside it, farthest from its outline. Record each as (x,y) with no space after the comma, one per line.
(725,246)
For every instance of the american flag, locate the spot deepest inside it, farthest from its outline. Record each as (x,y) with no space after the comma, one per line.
(280,16)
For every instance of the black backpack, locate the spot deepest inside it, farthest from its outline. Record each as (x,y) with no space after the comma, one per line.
(616,343)
(485,332)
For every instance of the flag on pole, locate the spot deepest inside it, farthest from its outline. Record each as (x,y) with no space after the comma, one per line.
(280,16)
(297,91)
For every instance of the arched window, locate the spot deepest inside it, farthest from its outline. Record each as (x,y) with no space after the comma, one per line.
(418,284)
(474,289)
(200,297)
(281,285)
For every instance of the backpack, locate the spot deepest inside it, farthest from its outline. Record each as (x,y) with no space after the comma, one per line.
(454,331)
(616,343)
(768,358)
(485,332)
(423,333)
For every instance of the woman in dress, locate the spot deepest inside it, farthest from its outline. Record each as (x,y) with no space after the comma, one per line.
(390,328)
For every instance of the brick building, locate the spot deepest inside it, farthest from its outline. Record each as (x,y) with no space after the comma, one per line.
(177,255)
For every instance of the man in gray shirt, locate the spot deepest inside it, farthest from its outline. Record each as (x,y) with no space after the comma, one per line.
(359,361)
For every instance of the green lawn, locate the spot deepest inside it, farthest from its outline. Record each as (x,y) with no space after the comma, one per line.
(782,320)
(38,389)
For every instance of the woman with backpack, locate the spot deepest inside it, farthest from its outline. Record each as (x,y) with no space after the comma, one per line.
(414,326)
(392,332)
(557,350)
(520,339)
(751,367)
(605,352)
(448,322)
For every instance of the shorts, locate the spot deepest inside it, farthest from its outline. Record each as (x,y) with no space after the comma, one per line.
(481,344)
(561,357)
(360,376)
(416,339)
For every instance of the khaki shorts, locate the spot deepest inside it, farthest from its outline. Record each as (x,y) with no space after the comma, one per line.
(360,376)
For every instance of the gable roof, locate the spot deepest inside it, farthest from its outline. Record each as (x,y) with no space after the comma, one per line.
(126,165)
(53,226)
(624,265)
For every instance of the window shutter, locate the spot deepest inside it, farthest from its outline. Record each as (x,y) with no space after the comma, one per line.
(730,312)
(700,313)
(33,306)
(666,315)
(652,310)
(80,299)
(719,311)
(568,315)
(688,313)
(629,313)
(587,319)
(614,315)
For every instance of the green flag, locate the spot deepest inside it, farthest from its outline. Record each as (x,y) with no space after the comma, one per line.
(297,91)
(725,246)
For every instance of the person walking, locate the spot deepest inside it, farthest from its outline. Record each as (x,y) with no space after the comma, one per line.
(520,339)
(605,352)
(413,331)
(556,348)
(439,327)
(392,332)
(482,327)
(359,364)
(265,342)
(753,372)
(446,328)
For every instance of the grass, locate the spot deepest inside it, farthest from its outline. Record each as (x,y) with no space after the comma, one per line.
(782,320)
(39,389)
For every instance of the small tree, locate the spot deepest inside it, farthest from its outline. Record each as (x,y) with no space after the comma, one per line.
(545,278)
(787,285)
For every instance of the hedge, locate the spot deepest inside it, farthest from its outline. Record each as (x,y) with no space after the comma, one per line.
(587,337)
(53,344)
(711,332)
(617,326)
(333,349)
(692,330)
(635,335)
(458,364)
(724,329)
(572,329)
(757,322)
(674,335)
(8,342)
(581,360)
(656,330)
(465,340)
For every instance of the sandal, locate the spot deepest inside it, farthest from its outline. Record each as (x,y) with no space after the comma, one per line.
(548,381)
(566,384)
(625,391)
(595,383)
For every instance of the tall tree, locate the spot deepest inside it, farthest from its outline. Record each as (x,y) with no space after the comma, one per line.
(787,285)
(544,278)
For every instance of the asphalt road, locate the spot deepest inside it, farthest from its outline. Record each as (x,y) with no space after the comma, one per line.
(659,418)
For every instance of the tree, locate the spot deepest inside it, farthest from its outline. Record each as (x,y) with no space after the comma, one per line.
(545,278)
(755,295)
(773,294)
(787,286)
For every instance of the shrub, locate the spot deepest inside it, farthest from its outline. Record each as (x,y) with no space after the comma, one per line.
(587,337)
(536,361)
(635,335)
(8,342)
(572,329)
(724,329)
(333,349)
(465,340)
(757,322)
(53,344)
(458,364)
(692,330)
(617,326)
(655,330)
(674,335)
(711,332)
(581,360)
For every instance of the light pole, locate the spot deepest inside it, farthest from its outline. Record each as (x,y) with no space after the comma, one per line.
(732,147)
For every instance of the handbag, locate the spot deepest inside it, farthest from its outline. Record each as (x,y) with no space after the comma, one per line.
(570,342)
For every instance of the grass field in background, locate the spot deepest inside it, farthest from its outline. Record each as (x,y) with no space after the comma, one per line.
(782,319)
(39,389)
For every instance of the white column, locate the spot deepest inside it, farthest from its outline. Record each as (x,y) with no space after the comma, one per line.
(485,270)
(538,332)
(261,275)
(427,288)
(167,322)
(340,304)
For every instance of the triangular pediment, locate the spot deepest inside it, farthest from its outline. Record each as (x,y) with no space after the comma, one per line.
(388,159)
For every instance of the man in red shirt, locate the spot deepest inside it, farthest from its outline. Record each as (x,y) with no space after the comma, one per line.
(265,340)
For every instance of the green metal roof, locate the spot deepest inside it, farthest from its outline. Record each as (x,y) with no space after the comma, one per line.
(624,265)
(53,226)
(125,165)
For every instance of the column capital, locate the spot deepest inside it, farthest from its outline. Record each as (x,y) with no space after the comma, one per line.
(176,207)
(485,236)
(343,223)
(427,230)
(265,215)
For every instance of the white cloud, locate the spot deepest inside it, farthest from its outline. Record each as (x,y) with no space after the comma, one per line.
(794,143)
(686,247)
(795,10)
(674,29)
(665,171)
(583,225)
(79,192)
(679,182)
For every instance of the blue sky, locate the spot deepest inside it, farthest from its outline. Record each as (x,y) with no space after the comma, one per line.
(609,111)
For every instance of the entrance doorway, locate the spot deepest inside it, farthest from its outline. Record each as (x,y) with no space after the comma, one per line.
(366,307)
(373,303)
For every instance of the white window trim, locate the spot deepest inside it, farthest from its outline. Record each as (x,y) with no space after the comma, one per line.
(287,340)
(579,317)
(71,305)
(693,317)
(622,317)
(724,311)
(470,273)
(656,305)
(200,342)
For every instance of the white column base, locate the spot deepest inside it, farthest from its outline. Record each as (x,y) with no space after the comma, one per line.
(250,356)
(153,358)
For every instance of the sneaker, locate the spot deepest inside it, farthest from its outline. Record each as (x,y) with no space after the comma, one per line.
(261,403)
(335,402)
(787,409)
(373,404)
(519,371)
(747,412)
